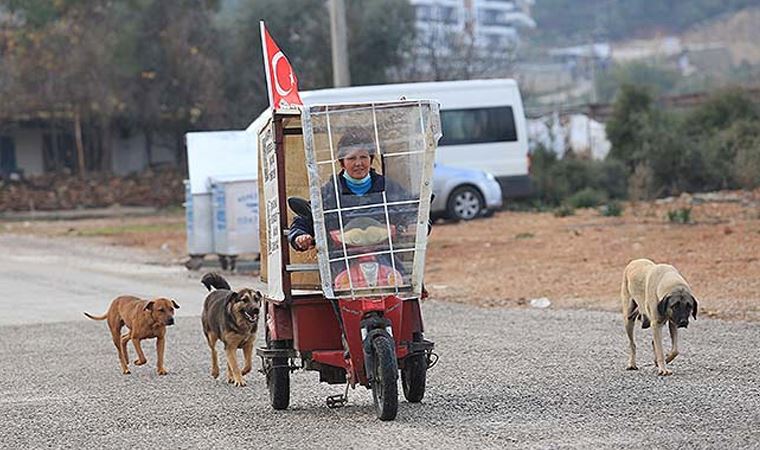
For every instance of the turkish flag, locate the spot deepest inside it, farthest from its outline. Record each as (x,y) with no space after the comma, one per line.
(282,83)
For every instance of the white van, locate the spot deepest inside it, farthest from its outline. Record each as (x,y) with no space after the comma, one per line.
(483,123)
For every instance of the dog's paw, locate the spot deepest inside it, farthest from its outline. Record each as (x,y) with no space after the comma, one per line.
(240,382)
(664,372)
(215,373)
(246,370)
(632,367)
(140,362)
(161,371)
(671,356)
(125,372)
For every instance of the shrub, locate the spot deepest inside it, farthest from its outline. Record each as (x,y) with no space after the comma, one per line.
(680,215)
(587,198)
(564,211)
(611,209)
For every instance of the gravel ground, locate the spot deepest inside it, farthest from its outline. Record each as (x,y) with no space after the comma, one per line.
(506,378)
(522,378)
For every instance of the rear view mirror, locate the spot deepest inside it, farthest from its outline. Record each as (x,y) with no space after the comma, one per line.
(300,206)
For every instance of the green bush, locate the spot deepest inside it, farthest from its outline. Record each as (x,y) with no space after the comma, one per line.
(564,211)
(680,215)
(587,198)
(714,146)
(611,209)
(555,180)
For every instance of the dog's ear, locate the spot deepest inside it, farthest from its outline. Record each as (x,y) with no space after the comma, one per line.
(233,297)
(662,306)
(149,306)
(176,306)
(695,307)
(259,297)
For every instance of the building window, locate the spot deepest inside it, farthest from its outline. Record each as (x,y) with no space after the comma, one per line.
(436,14)
(478,126)
(7,155)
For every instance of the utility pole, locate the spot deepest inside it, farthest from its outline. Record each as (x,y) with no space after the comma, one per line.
(339,40)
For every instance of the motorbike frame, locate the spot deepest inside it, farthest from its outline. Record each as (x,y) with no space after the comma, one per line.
(323,334)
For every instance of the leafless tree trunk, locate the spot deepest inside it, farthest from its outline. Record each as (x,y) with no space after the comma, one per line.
(81,169)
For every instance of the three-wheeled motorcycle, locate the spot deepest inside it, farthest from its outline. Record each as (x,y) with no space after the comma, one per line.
(349,307)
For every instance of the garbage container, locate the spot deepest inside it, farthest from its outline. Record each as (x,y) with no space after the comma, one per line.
(199,226)
(235,213)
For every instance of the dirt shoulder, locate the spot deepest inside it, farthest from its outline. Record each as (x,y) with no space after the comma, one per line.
(513,257)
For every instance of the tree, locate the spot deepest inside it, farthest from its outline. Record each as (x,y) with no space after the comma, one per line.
(631,113)
(379,32)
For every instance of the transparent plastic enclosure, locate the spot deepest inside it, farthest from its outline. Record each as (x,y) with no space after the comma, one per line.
(370,170)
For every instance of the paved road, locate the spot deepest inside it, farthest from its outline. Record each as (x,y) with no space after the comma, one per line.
(506,378)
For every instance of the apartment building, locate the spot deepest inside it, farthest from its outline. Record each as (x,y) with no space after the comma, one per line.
(494,24)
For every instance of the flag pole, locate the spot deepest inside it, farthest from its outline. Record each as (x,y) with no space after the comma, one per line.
(267,69)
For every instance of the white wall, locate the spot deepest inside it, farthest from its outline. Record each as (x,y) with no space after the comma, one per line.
(129,154)
(28,144)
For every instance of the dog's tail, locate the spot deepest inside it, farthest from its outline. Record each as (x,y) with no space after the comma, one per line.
(216,281)
(103,317)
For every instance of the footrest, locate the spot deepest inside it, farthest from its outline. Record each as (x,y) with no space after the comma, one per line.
(420,347)
(275,352)
(336,401)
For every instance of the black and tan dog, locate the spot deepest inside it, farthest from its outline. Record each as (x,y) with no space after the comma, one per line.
(656,293)
(145,320)
(232,317)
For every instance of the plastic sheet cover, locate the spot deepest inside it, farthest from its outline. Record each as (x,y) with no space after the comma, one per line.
(370,172)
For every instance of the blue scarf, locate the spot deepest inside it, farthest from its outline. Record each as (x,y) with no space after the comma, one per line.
(358,187)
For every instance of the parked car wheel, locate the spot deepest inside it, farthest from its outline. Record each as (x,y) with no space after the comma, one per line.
(465,203)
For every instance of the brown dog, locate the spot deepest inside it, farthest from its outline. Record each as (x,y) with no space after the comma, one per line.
(145,320)
(232,317)
(656,293)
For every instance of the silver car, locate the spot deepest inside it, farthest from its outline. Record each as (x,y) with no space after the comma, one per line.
(464,194)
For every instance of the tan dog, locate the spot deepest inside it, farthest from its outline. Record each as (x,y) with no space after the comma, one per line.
(145,320)
(657,293)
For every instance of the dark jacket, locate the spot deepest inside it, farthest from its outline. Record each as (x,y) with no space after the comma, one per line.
(399,215)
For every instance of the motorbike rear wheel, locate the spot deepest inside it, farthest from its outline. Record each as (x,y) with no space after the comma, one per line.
(278,379)
(414,375)
(385,382)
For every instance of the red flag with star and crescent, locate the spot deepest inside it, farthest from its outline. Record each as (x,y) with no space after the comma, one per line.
(282,83)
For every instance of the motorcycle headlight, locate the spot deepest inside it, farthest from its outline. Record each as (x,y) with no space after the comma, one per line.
(369,272)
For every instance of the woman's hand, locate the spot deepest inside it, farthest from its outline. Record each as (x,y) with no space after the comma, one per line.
(304,242)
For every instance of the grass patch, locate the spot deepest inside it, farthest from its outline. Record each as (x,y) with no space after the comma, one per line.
(524,235)
(131,229)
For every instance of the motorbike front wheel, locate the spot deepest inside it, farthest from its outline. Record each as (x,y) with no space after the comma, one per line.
(385,382)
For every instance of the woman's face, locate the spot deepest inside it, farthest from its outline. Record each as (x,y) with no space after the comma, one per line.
(357,163)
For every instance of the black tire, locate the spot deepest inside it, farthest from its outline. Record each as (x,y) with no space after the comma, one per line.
(278,381)
(465,203)
(278,378)
(385,383)
(414,374)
